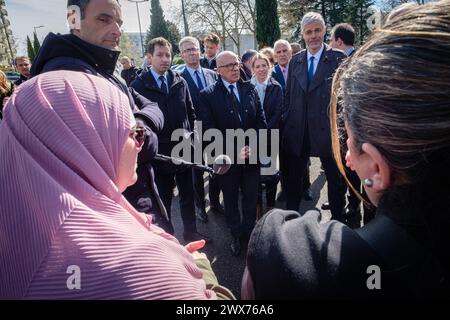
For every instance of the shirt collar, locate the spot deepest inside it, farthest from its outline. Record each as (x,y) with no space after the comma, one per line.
(255,82)
(227,84)
(349,51)
(192,71)
(317,55)
(156,75)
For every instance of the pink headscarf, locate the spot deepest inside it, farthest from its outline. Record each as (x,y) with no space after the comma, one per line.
(60,145)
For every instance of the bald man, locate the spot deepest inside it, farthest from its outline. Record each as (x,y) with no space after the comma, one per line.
(233,104)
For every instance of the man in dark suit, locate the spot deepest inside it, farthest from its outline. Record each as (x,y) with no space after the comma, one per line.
(306,129)
(212,45)
(159,83)
(283,54)
(129,71)
(197,79)
(233,104)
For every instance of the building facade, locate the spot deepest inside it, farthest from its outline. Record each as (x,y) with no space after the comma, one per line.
(7,47)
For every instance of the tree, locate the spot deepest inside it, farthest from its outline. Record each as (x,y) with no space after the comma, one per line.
(158,25)
(126,49)
(357,15)
(36,43)
(30,49)
(174,36)
(267,23)
(227,18)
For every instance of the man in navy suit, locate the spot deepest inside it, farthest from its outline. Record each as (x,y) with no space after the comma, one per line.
(162,85)
(283,54)
(197,79)
(306,130)
(234,104)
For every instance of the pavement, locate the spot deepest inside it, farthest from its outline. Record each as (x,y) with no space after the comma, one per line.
(229,269)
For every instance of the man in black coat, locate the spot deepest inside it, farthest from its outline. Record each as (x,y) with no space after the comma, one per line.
(197,79)
(129,71)
(159,83)
(306,130)
(234,104)
(23,65)
(91,47)
(212,45)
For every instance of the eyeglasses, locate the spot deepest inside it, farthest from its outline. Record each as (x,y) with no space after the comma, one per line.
(138,134)
(230,66)
(190,50)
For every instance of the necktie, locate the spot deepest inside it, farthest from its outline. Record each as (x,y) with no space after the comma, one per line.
(199,81)
(163,84)
(285,74)
(236,104)
(311,69)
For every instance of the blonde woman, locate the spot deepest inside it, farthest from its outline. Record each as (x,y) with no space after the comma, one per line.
(271,95)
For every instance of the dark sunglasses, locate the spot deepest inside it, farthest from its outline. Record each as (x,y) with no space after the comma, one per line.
(138,134)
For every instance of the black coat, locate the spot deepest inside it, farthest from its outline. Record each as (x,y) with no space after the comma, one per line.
(293,256)
(176,106)
(129,75)
(273,104)
(277,74)
(205,64)
(217,110)
(307,106)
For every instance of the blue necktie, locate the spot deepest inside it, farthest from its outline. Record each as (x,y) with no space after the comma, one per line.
(311,69)
(163,84)
(199,82)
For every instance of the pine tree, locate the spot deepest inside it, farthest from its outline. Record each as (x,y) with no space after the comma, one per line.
(357,15)
(267,22)
(30,49)
(174,36)
(158,25)
(36,44)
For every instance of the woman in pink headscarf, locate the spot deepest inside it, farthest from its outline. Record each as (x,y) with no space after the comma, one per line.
(68,148)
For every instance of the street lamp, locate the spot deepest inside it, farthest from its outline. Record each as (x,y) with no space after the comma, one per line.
(139,21)
(37,27)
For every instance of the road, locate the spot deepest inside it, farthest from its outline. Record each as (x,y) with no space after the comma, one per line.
(229,269)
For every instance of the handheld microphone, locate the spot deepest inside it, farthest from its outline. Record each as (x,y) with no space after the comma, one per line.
(221,164)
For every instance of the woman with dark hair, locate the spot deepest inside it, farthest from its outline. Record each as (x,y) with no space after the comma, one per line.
(392,97)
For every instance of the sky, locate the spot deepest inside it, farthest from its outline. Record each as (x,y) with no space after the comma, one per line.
(51,14)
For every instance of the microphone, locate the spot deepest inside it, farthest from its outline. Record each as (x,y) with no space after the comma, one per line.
(221,164)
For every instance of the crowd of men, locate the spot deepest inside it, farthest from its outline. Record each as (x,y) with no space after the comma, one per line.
(215,88)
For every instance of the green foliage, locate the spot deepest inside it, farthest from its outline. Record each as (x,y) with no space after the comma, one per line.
(158,25)
(333,12)
(267,23)
(36,44)
(30,50)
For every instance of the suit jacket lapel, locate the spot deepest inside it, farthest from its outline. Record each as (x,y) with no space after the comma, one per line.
(322,69)
(208,78)
(300,71)
(190,81)
(280,76)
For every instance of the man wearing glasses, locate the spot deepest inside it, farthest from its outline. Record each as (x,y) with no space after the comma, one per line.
(197,79)
(233,104)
